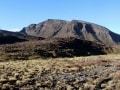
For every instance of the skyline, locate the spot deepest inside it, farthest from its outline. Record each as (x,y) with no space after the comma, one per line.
(20,13)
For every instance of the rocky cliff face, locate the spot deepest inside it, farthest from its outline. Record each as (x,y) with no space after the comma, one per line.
(79,29)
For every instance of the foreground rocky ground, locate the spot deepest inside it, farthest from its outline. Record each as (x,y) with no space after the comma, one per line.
(78,73)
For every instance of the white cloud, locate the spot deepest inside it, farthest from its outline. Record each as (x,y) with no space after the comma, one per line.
(14,29)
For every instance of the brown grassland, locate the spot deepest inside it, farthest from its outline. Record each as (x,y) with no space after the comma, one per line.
(79,73)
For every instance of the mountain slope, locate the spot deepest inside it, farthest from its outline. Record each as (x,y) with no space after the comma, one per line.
(79,29)
(7,37)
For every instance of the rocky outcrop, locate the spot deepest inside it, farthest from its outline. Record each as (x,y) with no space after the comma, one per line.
(57,47)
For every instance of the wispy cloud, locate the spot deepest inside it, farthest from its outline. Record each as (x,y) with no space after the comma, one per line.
(14,29)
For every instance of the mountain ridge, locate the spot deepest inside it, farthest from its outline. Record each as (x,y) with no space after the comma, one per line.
(58,38)
(55,28)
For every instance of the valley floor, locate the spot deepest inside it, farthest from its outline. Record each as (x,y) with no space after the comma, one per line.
(79,73)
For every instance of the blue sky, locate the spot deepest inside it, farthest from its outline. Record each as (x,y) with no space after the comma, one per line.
(16,14)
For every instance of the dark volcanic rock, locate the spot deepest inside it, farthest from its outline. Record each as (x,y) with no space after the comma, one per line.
(57,47)
(75,28)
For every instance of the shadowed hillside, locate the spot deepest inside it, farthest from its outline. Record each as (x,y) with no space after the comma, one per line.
(7,37)
(58,47)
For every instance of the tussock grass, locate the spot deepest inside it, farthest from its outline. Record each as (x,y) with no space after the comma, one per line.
(81,73)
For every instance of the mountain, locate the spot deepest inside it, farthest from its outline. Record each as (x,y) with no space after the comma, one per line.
(8,37)
(58,38)
(53,28)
